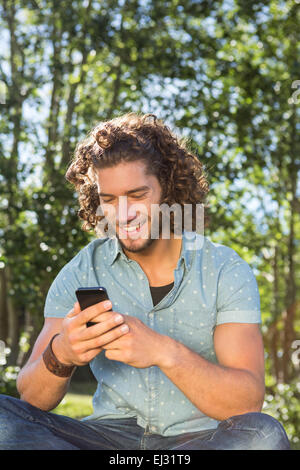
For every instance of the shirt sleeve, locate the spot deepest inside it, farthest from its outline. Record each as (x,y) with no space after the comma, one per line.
(238,298)
(61,296)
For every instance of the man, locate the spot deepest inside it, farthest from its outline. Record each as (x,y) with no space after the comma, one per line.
(177,352)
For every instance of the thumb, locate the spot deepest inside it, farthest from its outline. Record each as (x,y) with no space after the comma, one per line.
(75,310)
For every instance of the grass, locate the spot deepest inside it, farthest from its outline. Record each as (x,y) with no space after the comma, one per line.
(77,403)
(75,406)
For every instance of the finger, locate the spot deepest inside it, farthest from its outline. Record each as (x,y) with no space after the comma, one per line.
(116,344)
(106,338)
(89,313)
(103,317)
(89,355)
(113,354)
(110,320)
(75,310)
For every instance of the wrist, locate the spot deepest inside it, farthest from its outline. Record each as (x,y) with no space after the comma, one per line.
(168,353)
(58,351)
(53,364)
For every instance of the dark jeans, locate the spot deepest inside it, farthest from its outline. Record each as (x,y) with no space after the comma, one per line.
(23,426)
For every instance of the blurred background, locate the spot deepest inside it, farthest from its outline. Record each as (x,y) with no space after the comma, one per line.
(224,74)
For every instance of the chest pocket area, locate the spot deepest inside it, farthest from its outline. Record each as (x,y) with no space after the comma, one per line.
(194,327)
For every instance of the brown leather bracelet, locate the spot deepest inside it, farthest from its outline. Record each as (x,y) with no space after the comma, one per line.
(53,364)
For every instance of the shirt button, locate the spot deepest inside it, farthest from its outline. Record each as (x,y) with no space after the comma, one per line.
(151,315)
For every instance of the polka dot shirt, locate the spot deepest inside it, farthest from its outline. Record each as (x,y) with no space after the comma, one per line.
(212,285)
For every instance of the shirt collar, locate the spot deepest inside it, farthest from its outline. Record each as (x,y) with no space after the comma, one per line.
(115,249)
(190,243)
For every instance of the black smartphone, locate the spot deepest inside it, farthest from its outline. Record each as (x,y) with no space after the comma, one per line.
(88,296)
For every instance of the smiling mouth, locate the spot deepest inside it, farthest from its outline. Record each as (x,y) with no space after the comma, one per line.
(132,228)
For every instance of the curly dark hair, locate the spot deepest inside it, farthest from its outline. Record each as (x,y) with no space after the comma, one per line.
(133,137)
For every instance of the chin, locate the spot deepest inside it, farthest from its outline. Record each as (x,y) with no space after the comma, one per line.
(137,245)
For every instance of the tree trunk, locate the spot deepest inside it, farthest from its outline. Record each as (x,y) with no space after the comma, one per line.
(16,99)
(3,307)
(55,97)
(116,91)
(289,333)
(274,334)
(13,323)
(66,147)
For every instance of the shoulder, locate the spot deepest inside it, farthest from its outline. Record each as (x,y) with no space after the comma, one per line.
(95,245)
(87,254)
(223,261)
(219,255)
(220,251)
(93,253)
(208,252)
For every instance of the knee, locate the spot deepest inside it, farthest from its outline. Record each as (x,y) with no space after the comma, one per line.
(7,404)
(270,433)
(5,400)
(13,408)
(7,420)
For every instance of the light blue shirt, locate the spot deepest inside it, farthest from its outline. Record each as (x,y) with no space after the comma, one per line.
(212,285)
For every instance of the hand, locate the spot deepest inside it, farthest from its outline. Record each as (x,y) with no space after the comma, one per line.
(78,344)
(141,347)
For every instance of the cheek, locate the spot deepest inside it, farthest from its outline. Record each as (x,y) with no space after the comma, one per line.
(141,210)
(155,212)
(109,210)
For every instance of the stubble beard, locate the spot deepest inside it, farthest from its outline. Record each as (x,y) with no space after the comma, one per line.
(136,249)
(140,247)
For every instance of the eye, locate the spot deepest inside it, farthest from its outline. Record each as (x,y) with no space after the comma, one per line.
(139,196)
(107,200)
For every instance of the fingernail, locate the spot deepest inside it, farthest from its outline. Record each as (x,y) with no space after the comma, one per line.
(118,318)
(107,304)
(124,328)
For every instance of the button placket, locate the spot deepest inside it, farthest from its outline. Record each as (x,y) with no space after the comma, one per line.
(152,394)
(146,298)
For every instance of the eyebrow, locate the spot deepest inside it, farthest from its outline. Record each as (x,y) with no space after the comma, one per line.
(131,191)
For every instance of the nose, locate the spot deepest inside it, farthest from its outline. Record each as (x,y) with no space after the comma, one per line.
(125,213)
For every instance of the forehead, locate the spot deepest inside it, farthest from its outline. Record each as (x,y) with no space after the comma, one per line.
(124,177)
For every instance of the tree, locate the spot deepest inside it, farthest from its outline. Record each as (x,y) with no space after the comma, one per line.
(220,72)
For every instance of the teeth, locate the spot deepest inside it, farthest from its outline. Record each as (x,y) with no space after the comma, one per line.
(131,229)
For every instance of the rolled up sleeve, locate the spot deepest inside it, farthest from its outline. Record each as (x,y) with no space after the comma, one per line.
(238,298)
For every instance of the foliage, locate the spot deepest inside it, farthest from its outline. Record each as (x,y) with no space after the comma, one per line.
(283,403)
(8,376)
(224,73)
